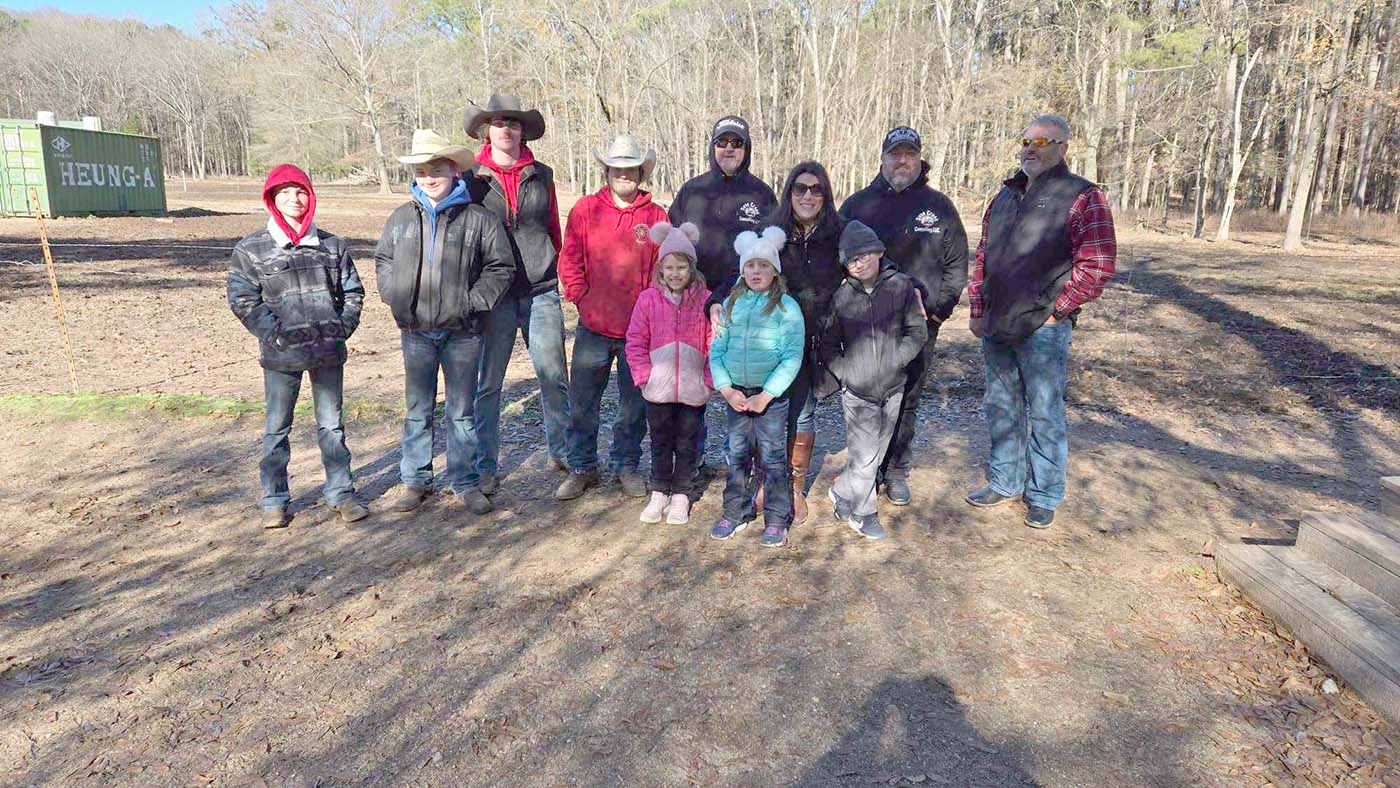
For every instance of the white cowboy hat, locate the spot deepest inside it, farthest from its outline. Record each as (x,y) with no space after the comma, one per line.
(428,145)
(626,151)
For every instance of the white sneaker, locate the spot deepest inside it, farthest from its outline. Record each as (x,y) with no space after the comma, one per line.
(655,508)
(680,510)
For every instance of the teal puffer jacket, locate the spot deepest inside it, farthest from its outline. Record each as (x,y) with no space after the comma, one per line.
(756,349)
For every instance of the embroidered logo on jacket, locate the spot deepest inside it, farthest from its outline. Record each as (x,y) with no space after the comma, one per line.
(748,212)
(927,222)
(641,233)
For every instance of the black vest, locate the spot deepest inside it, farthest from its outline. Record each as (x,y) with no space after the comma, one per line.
(528,228)
(1028,253)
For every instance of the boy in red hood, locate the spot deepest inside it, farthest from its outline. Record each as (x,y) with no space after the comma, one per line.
(296,289)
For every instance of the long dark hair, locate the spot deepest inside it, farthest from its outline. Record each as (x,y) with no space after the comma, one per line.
(782,213)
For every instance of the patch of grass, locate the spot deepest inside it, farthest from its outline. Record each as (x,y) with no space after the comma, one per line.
(101,407)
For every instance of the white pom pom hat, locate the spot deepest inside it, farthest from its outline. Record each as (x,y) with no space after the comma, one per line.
(753,246)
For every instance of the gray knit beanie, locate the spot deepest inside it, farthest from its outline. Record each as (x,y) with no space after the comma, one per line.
(857,239)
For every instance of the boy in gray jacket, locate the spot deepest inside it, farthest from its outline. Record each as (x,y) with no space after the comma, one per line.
(876,328)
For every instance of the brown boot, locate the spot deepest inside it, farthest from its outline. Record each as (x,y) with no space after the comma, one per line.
(800,458)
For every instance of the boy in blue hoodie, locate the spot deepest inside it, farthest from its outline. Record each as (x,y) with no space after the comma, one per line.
(442,264)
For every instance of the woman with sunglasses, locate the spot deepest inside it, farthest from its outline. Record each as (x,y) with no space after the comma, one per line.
(812,267)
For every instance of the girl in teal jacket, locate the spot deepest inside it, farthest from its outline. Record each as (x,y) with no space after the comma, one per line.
(754,358)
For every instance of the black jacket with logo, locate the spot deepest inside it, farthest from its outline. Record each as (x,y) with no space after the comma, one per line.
(528,229)
(301,301)
(722,206)
(870,337)
(922,233)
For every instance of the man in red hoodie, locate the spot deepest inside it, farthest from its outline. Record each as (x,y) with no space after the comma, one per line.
(605,265)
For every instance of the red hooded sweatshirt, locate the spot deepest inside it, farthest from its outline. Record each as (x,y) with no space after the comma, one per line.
(607,259)
(282,175)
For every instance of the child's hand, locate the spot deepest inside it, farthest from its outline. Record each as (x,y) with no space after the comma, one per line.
(760,402)
(716,318)
(737,401)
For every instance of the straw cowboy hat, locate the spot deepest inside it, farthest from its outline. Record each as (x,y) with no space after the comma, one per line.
(626,151)
(504,105)
(428,145)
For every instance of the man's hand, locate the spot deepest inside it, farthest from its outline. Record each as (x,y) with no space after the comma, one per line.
(737,401)
(978,326)
(760,402)
(716,318)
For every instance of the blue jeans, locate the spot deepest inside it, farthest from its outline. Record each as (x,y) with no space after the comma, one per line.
(590,369)
(458,354)
(1029,376)
(280,390)
(541,321)
(758,440)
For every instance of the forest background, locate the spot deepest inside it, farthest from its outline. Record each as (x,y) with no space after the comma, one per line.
(1287,109)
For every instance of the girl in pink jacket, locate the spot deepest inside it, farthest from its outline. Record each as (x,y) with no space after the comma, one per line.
(668,350)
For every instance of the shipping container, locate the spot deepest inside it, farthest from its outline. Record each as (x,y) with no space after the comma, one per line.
(77,172)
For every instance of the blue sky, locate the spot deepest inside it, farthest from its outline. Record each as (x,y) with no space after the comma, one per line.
(185,14)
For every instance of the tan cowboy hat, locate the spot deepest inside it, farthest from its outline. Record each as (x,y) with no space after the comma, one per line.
(626,151)
(504,105)
(428,145)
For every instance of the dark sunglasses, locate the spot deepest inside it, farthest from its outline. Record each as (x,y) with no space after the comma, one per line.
(732,144)
(801,189)
(505,123)
(1039,142)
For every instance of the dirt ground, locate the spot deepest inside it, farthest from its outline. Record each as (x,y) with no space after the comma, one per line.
(152,634)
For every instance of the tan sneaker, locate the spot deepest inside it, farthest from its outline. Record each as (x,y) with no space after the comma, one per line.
(351,510)
(410,499)
(275,518)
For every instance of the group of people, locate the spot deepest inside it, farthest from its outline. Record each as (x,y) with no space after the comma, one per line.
(773,301)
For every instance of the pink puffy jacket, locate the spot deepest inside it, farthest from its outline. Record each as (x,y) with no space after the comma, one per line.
(668,345)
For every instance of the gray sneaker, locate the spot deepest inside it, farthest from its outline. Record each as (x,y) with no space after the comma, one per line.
(633,485)
(576,484)
(489,485)
(475,502)
(839,506)
(870,527)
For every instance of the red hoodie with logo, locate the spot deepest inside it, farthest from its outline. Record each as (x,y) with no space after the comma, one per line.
(607,259)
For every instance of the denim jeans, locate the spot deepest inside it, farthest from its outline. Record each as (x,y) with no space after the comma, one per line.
(280,390)
(759,441)
(541,321)
(458,354)
(1029,376)
(674,427)
(802,399)
(590,369)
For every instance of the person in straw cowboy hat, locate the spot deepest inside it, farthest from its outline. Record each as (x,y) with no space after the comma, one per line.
(605,265)
(442,264)
(507,180)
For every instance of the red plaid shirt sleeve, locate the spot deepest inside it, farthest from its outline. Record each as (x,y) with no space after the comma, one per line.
(1095,251)
(974,277)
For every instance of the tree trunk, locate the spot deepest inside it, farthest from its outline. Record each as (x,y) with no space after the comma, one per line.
(1334,108)
(1307,166)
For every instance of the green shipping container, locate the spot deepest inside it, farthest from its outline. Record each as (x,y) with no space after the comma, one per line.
(77,172)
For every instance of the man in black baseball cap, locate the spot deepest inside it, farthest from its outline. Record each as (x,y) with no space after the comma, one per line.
(925,238)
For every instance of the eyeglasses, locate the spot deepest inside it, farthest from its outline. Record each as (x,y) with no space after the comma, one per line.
(801,189)
(1040,142)
(730,143)
(506,123)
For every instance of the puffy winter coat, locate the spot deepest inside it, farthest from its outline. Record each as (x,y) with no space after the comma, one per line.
(812,270)
(442,267)
(302,301)
(870,337)
(668,346)
(608,258)
(756,349)
(922,233)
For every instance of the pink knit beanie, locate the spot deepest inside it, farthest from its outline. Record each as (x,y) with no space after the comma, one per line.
(675,240)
